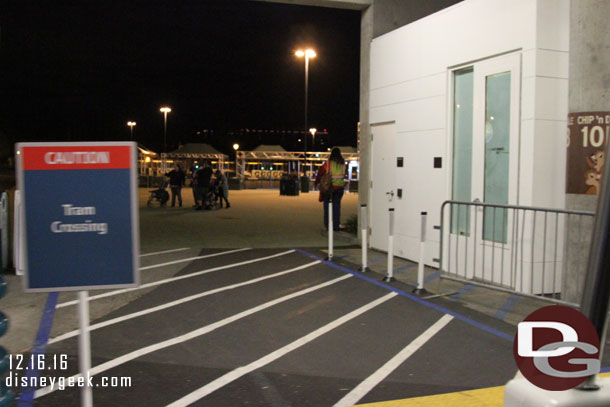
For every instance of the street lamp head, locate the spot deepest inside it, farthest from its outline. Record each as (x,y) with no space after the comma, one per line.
(313,131)
(309,53)
(165,109)
(131,124)
(235,146)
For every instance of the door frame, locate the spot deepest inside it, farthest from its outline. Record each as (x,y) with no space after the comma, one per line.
(370,187)
(487,66)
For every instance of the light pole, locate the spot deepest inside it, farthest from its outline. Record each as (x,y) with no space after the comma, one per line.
(131,124)
(313,132)
(236,147)
(308,53)
(165,110)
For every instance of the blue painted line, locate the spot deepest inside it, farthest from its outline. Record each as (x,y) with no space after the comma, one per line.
(39,348)
(464,290)
(405,267)
(508,305)
(418,300)
(605,369)
(376,259)
(432,276)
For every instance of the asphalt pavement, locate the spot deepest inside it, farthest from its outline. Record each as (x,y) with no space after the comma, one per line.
(238,307)
(277,327)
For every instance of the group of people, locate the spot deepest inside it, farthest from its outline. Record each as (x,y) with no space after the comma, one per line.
(207,192)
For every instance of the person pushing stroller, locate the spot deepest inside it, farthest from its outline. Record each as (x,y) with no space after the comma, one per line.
(203,177)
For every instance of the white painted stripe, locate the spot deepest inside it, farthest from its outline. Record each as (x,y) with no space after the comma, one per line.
(241,371)
(169,263)
(172,279)
(193,334)
(384,371)
(165,251)
(178,302)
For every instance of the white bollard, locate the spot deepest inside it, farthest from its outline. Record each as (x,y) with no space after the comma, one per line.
(422,253)
(390,276)
(364,231)
(330,229)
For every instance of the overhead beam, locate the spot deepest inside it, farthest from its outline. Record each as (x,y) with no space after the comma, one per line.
(343,4)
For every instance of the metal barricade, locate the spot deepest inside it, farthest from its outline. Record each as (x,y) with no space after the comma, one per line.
(517,249)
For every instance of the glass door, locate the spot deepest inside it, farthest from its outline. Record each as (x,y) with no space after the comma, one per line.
(495,163)
(486,98)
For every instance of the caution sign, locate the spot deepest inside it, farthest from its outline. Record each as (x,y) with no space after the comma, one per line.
(80,215)
(587,140)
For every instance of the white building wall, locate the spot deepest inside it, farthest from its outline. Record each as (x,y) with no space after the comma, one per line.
(410,84)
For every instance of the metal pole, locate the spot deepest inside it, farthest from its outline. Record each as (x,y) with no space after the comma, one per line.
(306,101)
(364,231)
(165,132)
(84,348)
(596,295)
(390,276)
(330,229)
(422,252)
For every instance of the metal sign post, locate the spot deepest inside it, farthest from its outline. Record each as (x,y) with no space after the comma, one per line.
(4,229)
(79,203)
(84,348)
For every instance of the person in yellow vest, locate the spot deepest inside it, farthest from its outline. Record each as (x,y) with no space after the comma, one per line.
(336,166)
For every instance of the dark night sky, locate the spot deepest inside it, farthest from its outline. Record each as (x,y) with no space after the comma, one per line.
(78,71)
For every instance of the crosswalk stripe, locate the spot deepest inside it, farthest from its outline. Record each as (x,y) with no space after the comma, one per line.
(172,279)
(177,302)
(164,252)
(241,371)
(384,371)
(193,334)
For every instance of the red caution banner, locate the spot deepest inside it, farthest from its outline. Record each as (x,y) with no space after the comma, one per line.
(78,157)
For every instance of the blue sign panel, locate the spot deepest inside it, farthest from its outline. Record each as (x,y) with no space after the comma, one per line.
(80,215)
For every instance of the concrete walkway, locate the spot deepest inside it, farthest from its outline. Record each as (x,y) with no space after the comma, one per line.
(257,218)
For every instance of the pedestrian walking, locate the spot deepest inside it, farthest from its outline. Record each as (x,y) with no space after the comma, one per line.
(223,188)
(176,182)
(336,166)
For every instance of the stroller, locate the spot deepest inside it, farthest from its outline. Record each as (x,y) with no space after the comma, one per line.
(211,200)
(158,195)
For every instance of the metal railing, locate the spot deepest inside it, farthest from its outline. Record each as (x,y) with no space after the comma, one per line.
(517,249)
